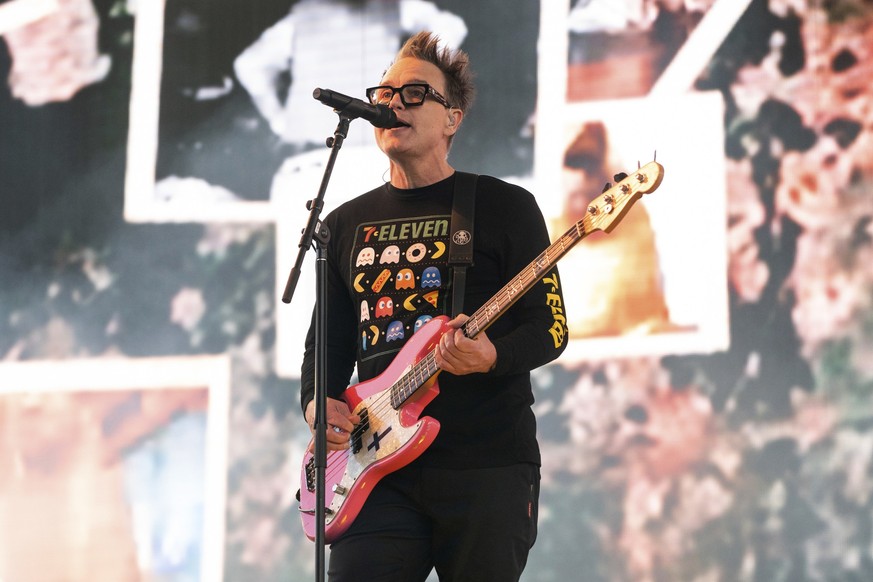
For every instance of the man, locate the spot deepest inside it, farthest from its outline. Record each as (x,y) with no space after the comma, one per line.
(468,505)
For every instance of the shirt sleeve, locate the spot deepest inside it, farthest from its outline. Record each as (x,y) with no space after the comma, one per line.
(537,333)
(340,336)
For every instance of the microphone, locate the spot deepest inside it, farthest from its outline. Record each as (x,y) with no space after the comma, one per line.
(379,115)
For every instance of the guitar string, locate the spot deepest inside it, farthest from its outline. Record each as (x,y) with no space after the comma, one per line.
(416,377)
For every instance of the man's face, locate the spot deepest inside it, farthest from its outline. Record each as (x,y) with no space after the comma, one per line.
(427,126)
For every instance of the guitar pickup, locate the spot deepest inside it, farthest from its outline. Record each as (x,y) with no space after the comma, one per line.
(357,439)
(310,475)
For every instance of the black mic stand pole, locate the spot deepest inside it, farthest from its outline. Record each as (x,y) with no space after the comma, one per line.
(319,233)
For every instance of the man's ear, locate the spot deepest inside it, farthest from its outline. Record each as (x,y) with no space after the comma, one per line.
(453,121)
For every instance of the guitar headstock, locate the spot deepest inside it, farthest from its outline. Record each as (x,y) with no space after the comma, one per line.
(605,211)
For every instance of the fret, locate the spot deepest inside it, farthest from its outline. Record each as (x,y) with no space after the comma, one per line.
(430,370)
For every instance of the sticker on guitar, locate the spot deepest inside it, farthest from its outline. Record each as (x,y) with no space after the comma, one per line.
(392,433)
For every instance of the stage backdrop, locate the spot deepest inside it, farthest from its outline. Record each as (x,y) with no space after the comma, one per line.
(712,418)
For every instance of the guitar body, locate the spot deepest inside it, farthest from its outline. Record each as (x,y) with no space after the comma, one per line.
(389,439)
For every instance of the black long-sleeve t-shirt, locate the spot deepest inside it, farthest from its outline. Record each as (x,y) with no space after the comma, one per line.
(387,274)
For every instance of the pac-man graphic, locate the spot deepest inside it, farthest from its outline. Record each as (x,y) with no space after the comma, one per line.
(384,307)
(431,277)
(404,279)
(408,304)
(366,257)
(441,248)
(390,255)
(366,339)
(395,331)
(357,283)
(416,252)
(432,297)
(419,323)
(365,311)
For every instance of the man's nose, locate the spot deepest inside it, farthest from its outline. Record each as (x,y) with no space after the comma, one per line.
(395,98)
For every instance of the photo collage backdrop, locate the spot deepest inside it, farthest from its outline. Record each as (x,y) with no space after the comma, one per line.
(712,416)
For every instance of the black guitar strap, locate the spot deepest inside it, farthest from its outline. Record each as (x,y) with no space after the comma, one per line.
(461,231)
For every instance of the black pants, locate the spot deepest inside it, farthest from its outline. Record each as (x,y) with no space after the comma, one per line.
(473,524)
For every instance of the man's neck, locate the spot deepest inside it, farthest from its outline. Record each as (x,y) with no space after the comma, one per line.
(408,176)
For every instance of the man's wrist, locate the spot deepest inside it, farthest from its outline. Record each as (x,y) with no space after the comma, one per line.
(493,364)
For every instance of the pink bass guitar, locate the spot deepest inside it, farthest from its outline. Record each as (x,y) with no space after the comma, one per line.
(392,433)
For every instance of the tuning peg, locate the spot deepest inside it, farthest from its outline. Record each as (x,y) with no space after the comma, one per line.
(606,187)
(619,177)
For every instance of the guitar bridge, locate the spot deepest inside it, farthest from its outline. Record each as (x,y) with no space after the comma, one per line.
(357,440)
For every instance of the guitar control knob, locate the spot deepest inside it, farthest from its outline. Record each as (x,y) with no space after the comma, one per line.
(339,489)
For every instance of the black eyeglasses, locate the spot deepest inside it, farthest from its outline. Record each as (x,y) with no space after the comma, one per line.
(411,94)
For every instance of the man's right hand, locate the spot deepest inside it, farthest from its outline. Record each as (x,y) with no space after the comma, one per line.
(340,422)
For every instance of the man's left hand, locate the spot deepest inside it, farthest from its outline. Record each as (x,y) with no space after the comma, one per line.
(459,355)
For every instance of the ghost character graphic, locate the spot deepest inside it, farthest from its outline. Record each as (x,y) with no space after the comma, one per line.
(365,311)
(419,323)
(395,331)
(431,277)
(390,255)
(405,279)
(366,257)
(385,307)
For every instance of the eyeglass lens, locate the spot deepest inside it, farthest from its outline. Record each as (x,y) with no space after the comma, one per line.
(409,94)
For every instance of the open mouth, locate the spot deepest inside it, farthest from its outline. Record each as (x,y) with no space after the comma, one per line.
(401,124)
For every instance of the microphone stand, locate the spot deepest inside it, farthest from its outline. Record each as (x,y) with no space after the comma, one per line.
(318,234)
